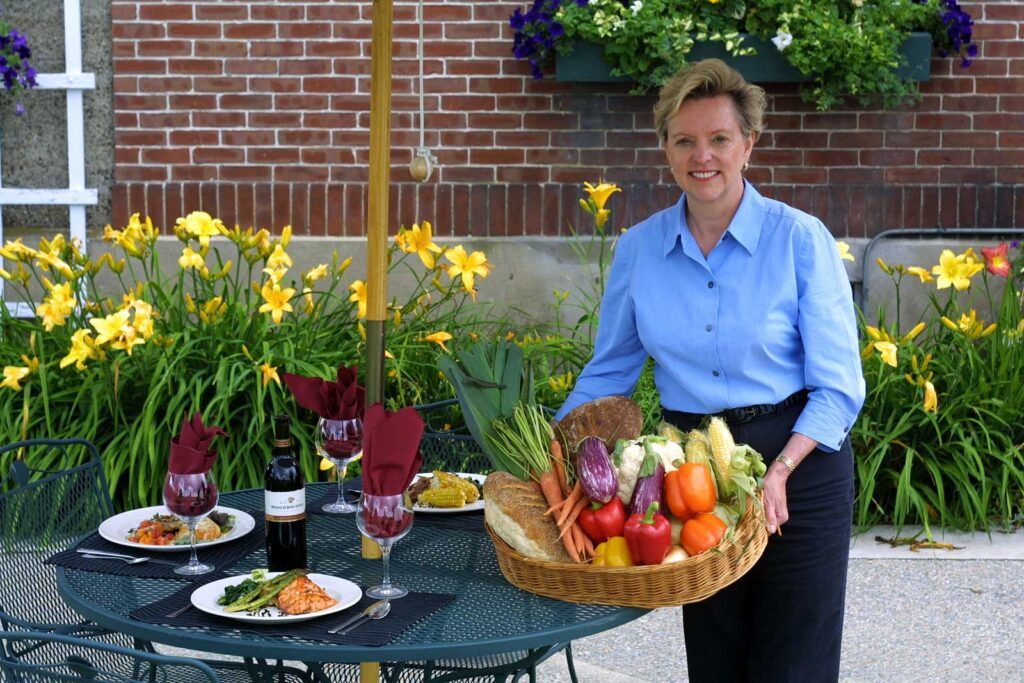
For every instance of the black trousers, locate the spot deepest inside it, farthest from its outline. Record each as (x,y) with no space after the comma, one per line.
(783,621)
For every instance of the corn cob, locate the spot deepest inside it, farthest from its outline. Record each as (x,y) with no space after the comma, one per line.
(698,448)
(443,497)
(722,445)
(448,480)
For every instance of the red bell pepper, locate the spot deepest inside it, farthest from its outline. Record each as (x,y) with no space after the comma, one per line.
(648,536)
(601,522)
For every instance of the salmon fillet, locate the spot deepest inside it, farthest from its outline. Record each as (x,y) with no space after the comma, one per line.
(302,596)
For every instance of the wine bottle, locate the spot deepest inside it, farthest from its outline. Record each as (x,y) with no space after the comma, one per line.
(284,503)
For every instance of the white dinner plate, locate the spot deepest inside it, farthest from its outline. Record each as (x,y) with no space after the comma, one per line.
(345,592)
(117,528)
(478,505)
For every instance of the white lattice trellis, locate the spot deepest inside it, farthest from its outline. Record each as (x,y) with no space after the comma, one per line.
(77,196)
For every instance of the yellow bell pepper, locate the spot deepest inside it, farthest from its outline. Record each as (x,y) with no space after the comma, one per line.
(613,553)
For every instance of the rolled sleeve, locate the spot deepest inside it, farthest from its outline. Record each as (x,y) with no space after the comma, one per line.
(828,328)
(619,354)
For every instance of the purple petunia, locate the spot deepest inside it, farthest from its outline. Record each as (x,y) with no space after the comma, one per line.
(537,31)
(15,70)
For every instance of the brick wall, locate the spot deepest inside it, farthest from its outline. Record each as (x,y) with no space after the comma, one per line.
(258,111)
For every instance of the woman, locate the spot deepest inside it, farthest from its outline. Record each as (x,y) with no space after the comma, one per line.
(745,307)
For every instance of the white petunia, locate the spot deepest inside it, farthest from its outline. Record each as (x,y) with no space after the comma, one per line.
(782,40)
(636,7)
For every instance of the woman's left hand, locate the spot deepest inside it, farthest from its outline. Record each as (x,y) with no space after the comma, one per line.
(775,511)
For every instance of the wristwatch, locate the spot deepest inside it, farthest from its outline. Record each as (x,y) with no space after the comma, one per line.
(787,461)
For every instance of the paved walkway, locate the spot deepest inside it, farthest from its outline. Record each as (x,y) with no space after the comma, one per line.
(957,617)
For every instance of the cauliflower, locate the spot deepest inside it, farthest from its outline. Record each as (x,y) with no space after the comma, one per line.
(629,456)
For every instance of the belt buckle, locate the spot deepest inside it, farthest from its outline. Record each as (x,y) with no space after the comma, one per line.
(745,414)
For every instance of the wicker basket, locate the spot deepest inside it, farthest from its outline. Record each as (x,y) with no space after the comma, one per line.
(664,585)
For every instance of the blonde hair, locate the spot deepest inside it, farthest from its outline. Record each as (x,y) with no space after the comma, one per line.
(711,78)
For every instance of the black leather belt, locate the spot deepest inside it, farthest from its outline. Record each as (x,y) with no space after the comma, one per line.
(739,415)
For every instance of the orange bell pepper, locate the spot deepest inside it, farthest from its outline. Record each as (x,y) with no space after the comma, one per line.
(702,533)
(690,490)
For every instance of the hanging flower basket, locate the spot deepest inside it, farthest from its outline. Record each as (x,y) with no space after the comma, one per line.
(586,62)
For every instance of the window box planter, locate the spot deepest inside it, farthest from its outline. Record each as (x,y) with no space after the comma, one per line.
(586,63)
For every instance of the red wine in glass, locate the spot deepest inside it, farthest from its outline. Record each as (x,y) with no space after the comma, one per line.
(191,497)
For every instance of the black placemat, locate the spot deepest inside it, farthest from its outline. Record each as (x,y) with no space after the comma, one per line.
(373,633)
(470,520)
(221,556)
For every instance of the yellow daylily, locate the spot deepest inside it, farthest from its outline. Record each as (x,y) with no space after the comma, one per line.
(844,251)
(439,338)
(597,198)
(83,348)
(358,289)
(307,300)
(47,260)
(326,464)
(202,226)
(190,259)
(111,327)
(921,273)
(970,326)
(270,374)
(275,274)
(314,274)
(931,399)
(956,271)
(13,375)
(56,306)
(279,259)
(213,310)
(17,251)
(887,352)
(417,240)
(276,300)
(467,266)
(561,384)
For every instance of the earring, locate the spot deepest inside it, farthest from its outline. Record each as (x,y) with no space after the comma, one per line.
(746,165)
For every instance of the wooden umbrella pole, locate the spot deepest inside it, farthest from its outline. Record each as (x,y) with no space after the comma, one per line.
(377,232)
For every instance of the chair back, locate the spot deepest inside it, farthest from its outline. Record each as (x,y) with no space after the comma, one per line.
(447,449)
(47,657)
(44,510)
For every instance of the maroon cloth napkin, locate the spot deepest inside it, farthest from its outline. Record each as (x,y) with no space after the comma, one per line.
(391,449)
(341,400)
(190,450)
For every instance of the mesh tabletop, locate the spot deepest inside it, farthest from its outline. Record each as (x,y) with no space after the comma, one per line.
(488,616)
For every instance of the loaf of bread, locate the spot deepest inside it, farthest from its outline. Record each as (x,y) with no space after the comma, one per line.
(515,512)
(609,418)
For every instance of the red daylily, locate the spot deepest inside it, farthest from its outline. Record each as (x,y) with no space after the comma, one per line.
(996,260)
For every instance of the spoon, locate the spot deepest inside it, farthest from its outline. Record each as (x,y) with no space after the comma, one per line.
(126,560)
(378,612)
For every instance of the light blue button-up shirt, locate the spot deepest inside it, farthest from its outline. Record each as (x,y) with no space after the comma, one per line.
(769,312)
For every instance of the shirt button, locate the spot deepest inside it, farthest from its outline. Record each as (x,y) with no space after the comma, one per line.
(708,328)
(710,284)
(715,373)
(846,429)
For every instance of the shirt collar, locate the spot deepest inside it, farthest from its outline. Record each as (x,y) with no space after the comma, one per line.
(745,226)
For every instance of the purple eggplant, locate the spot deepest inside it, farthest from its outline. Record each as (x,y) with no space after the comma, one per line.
(595,472)
(650,484)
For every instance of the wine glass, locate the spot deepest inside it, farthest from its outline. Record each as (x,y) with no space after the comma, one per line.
(384,519)
(341,442)
(191,497)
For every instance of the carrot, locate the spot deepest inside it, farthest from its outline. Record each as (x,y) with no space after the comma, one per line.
(575,512)
(588,545)
(558,460)
(570,502)
(580,539)
(549,486)
(554,508)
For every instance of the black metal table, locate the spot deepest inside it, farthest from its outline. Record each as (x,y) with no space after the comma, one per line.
(489,616)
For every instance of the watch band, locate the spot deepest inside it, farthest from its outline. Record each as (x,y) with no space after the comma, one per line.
(787,461)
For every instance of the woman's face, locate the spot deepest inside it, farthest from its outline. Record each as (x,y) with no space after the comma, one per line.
(707,150)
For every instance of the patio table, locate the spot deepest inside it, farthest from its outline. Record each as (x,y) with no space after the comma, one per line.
(488,616)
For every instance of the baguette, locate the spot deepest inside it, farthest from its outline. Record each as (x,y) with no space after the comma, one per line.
(515,512)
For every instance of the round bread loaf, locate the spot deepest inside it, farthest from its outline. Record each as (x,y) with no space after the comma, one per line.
(609,418)
(515,512)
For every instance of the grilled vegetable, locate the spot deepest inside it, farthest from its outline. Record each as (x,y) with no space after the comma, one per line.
(594,470)
(264,592)
(650,483)
(443,497)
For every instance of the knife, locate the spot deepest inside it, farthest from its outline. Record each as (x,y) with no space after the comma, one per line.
(355,618)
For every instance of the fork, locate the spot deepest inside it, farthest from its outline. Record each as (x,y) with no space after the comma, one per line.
(128,560)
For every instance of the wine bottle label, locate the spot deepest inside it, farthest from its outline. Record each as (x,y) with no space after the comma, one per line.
(285,506)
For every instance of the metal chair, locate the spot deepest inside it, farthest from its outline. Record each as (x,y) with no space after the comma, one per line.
(44,510)
(455,450)
(43,657)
